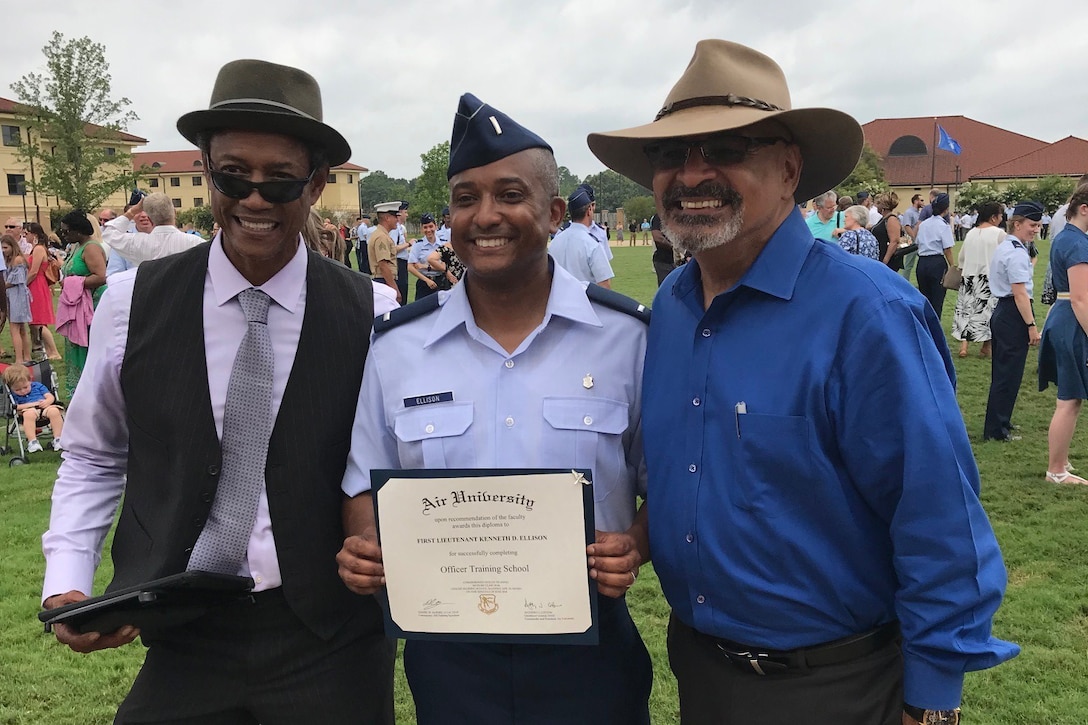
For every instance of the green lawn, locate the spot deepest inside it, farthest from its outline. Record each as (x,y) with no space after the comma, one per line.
(1043,531)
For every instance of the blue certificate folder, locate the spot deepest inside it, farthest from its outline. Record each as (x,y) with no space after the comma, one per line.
(379,478)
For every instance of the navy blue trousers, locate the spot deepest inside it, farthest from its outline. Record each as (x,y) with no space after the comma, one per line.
(929,272)
(498,684)
(1009,337)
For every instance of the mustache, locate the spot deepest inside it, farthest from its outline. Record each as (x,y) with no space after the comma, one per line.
(708,189)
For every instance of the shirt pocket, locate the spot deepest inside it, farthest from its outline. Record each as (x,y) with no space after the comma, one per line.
(587,433)
(435,435)
(773,465)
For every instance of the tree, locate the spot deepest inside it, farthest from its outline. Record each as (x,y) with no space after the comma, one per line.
(568,182)
(638,208)
(1016,192)
(200,217)
(975,193)
(431,190)
(1053,191)
(611,189)
(71,121)
(378,187)
(868,175)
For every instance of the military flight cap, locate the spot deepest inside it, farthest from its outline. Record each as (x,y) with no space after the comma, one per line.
(483,134)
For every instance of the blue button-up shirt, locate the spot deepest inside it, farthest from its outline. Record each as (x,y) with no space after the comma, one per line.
(1011,264)
(934,236)
(568,397)
(810,475)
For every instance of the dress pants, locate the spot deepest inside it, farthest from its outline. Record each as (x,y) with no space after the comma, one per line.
(402,279)
(909,261)
(364,260)
(931,270)
(714,691)
(457,683)
(255,662)
(1009,340)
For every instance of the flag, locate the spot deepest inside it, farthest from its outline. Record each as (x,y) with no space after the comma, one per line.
(947,142)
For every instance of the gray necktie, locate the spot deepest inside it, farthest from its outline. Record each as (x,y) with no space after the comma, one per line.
(247,426)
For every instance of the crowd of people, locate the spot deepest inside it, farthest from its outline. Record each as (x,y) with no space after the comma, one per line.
(787,501)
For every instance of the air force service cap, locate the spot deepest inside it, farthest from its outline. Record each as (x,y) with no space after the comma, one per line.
(1032,210)
(580,198)
(483,134)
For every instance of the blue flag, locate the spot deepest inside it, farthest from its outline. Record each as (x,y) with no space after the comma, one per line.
(946,142)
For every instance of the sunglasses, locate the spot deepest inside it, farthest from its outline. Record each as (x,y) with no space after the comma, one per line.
(716,150)
(11,226)
(274,192)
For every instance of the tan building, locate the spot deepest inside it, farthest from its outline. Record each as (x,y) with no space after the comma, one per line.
(17,174)
(180,175)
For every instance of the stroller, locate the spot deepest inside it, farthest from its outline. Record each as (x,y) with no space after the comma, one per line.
(42,372)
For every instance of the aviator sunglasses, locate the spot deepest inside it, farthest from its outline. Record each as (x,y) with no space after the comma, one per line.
(716,150)
(274,192)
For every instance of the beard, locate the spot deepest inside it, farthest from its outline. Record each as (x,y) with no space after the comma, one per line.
(694,233)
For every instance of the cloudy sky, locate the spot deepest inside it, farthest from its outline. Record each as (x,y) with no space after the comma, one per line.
(391,72)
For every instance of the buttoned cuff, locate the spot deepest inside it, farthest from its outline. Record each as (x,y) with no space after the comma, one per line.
(927,686)
(68,570)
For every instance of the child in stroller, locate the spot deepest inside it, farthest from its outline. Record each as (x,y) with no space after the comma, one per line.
(33,401)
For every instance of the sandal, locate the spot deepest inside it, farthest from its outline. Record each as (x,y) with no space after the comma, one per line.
(1065,477)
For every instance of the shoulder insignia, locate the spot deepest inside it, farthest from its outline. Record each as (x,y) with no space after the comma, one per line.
(399,316)
(618,302)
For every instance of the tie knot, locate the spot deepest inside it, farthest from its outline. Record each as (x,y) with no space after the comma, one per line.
(254,305)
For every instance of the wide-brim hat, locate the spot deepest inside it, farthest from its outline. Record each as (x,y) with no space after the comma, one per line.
(254,95)
(728,86)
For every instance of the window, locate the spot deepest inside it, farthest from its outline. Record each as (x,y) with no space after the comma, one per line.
(153,183)
(332,178)
(198,164)
(111,151)
(197,201)
(175,181)
(198,181)
(12,135)
(177,203)
(16,184)
(908,146)
(349,178)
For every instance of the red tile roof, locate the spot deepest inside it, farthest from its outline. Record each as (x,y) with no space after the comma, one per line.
(8,106)
(1068,157)
(983,146)
(188,161)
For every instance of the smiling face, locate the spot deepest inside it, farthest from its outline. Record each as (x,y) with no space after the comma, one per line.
(428,230)
(260,237)
(501,215)
(143,223)
(704,205)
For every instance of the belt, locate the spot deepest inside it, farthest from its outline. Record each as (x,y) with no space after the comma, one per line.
(769,662)
(1063,295)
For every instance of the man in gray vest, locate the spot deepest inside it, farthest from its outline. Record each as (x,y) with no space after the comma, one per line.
(200,386)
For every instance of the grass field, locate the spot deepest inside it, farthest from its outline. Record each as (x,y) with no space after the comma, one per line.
(1043,530)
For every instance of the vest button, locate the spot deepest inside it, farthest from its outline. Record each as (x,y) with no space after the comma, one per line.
(188,550)
(198,522)
(213,470)
(206,496)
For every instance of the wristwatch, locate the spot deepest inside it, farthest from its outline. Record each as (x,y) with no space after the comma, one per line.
(933,717)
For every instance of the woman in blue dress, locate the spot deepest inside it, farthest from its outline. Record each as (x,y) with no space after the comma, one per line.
(1063,354)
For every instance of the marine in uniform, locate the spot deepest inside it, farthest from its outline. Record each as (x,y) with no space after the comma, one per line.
(381,250)
(1012,324)
(530,369)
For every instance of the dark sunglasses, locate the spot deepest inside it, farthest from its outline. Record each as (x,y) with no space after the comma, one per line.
(716,150)
(11,226)
(274,192)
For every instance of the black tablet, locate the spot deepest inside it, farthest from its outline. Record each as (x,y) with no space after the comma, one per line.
(160,603)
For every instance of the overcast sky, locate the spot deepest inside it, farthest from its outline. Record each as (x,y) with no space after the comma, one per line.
(391,73)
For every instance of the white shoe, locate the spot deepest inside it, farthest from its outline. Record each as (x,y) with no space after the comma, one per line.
(56,445)
(34,447)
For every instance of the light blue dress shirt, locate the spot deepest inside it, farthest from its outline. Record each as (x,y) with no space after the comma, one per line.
(568,397)
(1011,264)
(576,251)
(934,236)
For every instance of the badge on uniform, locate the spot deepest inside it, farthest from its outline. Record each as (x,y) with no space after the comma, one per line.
(429,399)
(587,381)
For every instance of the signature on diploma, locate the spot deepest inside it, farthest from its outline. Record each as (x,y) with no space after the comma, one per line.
(542,605)
(432,604)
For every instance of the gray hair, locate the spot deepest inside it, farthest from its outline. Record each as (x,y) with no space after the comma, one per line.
(819,200)
(860,214)
(159,209)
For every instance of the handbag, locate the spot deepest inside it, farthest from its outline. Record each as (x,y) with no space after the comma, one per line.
(953,278)
(51,271)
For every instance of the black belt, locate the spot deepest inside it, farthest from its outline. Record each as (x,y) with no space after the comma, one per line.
(769,662)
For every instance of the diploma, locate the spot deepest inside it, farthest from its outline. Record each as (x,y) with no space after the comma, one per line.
(487,555)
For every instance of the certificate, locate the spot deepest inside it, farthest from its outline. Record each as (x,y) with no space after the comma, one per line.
(487,555)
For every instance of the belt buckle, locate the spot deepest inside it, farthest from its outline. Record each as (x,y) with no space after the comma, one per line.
(759,662)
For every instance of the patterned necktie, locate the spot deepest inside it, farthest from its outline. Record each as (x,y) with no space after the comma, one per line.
(247,426)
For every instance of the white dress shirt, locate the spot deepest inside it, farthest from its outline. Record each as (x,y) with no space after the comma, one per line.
(136,247)
(91,478)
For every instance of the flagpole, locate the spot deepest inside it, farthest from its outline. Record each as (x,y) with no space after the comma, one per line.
(933,164)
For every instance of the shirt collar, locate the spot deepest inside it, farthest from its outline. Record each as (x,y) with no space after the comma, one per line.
(775,270)
(285,287)
(567,299)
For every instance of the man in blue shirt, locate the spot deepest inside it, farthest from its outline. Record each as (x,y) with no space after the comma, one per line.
(575,249)
(805,515)
(531,370)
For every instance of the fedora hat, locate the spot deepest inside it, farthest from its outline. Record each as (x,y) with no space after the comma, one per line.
(728,86)
(254,95)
